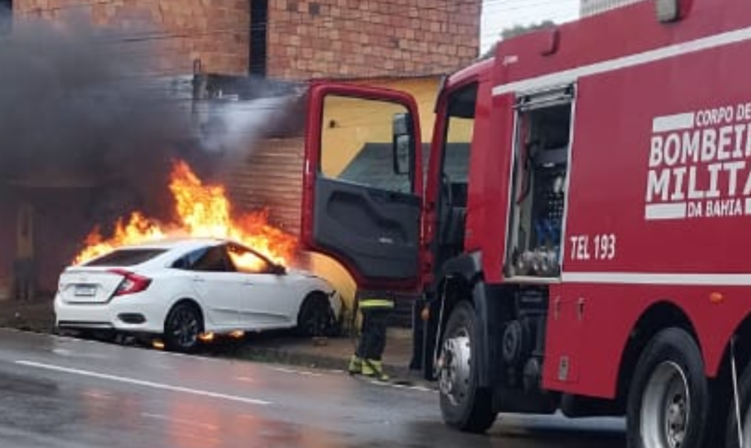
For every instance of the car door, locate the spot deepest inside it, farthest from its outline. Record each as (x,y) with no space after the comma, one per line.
(363,179)
(268,299)
(218,285)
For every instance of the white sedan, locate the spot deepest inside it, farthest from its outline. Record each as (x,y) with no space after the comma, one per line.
(184,289)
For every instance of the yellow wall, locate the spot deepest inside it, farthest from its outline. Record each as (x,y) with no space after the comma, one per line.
(349,124)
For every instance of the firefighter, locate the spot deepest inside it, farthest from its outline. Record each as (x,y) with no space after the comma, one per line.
(367,360)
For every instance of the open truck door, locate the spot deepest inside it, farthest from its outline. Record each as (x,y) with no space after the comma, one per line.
(363,180)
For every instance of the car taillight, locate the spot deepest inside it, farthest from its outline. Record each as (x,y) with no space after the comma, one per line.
(131,283)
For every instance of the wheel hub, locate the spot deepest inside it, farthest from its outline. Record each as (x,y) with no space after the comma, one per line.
(185,329)
(666,408)
(454,371)
(676,421)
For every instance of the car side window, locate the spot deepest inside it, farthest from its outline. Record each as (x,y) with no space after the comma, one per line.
(248,262)
(213,259)
(188,260)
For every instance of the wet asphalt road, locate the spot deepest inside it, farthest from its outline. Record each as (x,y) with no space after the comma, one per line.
(65,393)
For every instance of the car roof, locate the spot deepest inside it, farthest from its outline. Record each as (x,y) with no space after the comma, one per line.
(175,243)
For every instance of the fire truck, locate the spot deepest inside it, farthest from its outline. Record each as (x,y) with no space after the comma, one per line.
(576,231)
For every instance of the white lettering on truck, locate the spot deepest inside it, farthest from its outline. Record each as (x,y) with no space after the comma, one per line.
(700,164)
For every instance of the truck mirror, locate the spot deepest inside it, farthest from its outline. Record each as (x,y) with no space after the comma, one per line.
(402,153)
(403,143)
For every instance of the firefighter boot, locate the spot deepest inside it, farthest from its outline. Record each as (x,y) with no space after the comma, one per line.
(355,365)
(374,369)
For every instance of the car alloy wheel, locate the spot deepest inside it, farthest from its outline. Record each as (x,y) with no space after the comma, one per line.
(183,327)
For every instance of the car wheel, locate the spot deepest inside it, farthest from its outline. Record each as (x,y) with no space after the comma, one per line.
(315,317)
(464,405)
(182,328)
(669,395)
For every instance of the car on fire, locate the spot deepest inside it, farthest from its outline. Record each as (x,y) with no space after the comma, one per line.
(184,290)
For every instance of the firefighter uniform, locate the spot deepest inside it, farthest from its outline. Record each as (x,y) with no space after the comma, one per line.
(367,358)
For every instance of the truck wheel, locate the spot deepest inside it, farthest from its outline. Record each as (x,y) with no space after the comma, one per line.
(464,405)
(669,400)
(744,395)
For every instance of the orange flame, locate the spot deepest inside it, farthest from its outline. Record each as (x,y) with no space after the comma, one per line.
(202,211)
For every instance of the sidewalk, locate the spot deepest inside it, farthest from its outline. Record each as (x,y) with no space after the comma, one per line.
(324,353)
(273,347)
(32,315)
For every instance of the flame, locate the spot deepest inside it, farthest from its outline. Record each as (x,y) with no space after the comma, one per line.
(202,211)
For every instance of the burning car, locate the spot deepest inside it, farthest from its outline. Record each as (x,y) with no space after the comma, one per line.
(182,289)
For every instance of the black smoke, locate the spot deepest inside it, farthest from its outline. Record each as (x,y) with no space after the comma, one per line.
(90,123)
(83,106)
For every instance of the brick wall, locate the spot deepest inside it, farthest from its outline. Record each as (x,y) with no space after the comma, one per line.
(216,31)
(341,38)
(363,38)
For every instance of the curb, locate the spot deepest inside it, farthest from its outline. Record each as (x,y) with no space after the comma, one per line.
(28,326)
(281,356)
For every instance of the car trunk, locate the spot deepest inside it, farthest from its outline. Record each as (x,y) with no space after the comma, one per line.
(88,284)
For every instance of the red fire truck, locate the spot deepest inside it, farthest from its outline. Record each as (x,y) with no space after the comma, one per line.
(578,240)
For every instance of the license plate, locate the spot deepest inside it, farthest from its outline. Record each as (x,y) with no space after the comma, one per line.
(85,291)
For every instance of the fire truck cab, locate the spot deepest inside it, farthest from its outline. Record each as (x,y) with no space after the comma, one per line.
(577,239)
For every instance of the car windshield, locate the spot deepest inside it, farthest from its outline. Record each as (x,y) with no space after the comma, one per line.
(126,257)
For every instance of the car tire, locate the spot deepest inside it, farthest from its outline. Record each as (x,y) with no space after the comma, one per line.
(182,328)
(669,396)
(315,318)
(464,405)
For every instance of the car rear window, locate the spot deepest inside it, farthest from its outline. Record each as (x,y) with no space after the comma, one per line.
(126,257)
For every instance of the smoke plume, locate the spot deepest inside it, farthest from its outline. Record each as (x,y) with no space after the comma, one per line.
(89,128)
(82,106)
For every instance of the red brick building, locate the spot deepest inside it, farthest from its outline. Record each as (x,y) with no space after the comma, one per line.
(293,39)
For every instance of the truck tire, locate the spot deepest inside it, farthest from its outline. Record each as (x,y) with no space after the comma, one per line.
(464,405)
(744,397)
(669,399)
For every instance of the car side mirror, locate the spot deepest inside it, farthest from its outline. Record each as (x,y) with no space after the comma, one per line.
(403,143)
(278,269)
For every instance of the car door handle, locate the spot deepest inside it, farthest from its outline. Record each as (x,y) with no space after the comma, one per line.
(198,279)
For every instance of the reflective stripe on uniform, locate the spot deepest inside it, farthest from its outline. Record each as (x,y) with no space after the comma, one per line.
(376,303)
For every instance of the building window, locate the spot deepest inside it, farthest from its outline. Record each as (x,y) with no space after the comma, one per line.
(259,14)
(6,16)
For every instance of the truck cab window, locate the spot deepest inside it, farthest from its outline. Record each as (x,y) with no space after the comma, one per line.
(539,188)
(357,141)
(452,204)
